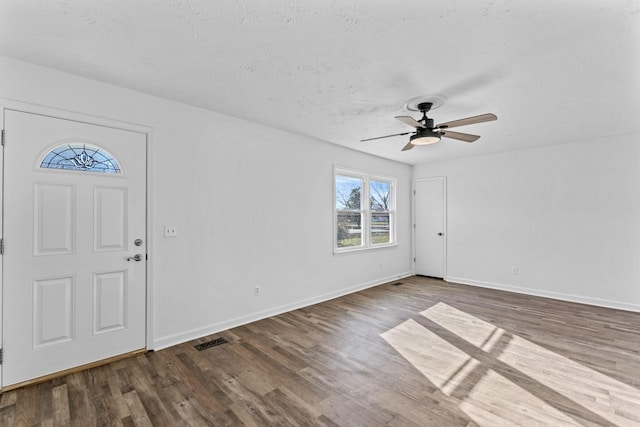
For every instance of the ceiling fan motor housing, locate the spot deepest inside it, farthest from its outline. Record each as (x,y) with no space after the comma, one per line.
(425,137)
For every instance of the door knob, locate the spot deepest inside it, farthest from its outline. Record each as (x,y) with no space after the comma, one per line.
(439,234)
(136,257)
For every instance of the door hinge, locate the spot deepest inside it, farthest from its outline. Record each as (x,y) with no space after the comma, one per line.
(1,355)
(414,259)
(2,248)
(3,137)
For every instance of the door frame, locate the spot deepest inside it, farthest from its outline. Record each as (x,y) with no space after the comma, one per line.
(443,179)
(9,104)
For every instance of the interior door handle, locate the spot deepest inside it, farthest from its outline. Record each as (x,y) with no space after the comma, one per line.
(439,234)
(136,257)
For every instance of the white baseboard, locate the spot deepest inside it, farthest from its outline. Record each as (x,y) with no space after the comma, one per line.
(185,336)
(547,294)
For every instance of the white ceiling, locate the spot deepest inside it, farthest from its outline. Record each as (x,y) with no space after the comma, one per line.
(553,71)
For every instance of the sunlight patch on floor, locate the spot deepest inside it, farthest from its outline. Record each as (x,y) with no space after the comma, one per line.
(603,395)
(496,401)
(435,358)
(490,398)
(573,380)
(448,367)
(482,334)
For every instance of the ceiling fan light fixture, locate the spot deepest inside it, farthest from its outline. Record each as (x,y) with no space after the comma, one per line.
(425,138)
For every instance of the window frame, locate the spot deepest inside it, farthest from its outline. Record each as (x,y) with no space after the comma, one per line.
(365,210)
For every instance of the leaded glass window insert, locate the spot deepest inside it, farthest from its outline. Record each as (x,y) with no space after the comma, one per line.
(81,157)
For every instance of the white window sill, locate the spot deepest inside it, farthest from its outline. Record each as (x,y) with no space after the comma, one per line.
(361,249)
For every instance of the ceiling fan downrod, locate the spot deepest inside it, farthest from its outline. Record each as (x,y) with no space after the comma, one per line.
(424,107)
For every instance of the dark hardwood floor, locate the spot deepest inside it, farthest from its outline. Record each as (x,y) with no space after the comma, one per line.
(422,353)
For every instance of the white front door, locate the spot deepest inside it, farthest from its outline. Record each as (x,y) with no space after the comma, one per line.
(429,220)
(74,212)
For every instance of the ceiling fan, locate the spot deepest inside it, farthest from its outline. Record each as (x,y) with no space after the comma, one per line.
(427,133)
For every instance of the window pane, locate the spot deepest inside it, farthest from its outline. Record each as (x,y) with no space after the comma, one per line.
(80,157)
(349,229)
(348,193)
(380,195)
(380,228)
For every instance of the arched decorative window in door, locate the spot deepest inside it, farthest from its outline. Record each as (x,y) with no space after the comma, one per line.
(81,157)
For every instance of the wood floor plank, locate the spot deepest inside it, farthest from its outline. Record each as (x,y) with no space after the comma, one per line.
(25,407)
(422,353)
(60,398)
(138,414)
(81,406)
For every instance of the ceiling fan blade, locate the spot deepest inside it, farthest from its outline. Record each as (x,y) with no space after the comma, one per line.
(386,136)
(407,147)
(410,121)
(468,121)
(467,137)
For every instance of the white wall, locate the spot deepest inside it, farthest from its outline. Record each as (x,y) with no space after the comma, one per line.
(252,205)
(568,216)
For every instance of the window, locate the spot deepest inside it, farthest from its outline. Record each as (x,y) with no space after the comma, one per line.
(364,210)
(349,211)
(80,157)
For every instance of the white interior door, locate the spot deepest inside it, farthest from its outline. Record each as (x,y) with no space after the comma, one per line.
(71,297)
(429,220)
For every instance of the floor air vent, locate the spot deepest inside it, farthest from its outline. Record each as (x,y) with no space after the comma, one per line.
(210,344)
(397,284)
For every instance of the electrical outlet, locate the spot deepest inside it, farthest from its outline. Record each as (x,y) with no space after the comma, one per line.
(256,291)
(514,271)
(170,231)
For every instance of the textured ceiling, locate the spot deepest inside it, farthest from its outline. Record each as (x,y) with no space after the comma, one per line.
(553,71)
